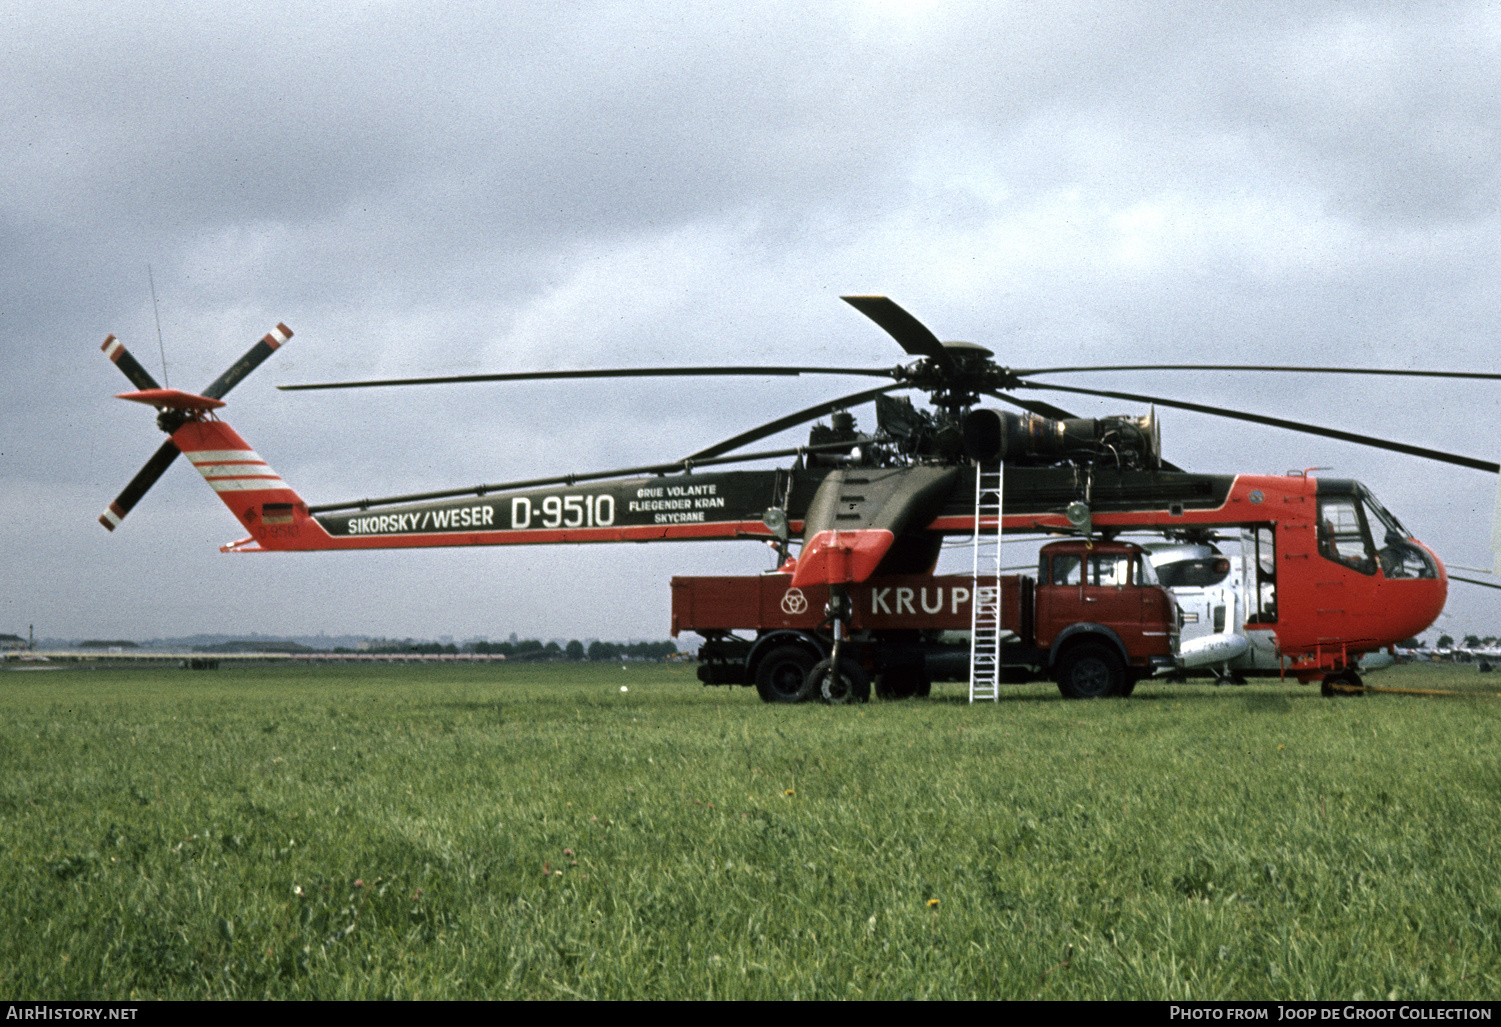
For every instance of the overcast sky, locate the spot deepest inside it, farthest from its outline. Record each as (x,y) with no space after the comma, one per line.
(440,189)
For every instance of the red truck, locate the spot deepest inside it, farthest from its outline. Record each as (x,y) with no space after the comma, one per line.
(1094,619)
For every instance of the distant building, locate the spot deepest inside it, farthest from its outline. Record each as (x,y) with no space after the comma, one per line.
(12,642)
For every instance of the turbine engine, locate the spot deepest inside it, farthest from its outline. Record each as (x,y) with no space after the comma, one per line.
(1125,442)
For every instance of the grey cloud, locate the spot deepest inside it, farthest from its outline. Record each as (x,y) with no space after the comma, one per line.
(469,187)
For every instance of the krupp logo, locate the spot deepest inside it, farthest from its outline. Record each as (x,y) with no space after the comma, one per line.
(794,602)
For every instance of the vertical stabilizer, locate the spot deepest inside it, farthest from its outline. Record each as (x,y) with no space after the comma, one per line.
(267,507)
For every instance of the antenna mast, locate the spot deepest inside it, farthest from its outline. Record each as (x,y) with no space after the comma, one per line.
(161,348)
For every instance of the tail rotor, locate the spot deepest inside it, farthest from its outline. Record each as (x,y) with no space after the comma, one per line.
(175,409)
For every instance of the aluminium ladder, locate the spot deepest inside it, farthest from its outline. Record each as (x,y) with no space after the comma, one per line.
(985,629)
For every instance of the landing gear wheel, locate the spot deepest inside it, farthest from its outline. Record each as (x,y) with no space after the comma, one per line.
(848,685)
(1328,689)
(902,683)
(1090,670)
(782,676)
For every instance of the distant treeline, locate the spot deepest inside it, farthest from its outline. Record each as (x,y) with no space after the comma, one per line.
(535,649)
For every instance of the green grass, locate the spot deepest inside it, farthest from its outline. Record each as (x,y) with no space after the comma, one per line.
(1190,842)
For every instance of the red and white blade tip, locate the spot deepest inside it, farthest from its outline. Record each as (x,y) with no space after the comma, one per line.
(112,516)
(278,335)
(112,347)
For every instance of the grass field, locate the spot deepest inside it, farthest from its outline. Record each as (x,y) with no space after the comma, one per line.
(534,832)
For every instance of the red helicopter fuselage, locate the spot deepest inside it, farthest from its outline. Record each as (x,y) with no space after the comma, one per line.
(1337,574)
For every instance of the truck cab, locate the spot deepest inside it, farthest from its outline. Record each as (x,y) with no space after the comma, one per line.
(1102,617)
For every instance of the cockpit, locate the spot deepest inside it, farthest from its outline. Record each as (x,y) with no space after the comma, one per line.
(1350,522)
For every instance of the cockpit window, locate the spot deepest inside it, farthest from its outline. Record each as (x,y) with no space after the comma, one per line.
(1343,535)
(1398,557)
(1360,533)
(1382,521)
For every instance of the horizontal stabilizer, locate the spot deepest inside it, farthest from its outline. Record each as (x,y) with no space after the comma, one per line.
(174,399)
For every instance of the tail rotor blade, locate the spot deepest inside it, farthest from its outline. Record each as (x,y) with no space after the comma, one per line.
(249,362)
(155,467)
(138,375)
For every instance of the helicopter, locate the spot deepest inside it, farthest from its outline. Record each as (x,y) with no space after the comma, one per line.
(1333,573)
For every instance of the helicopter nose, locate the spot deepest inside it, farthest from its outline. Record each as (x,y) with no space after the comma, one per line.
(1416,602)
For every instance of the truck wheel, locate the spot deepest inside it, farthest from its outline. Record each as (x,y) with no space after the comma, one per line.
(902,683)
(782,676)
(848,685)
(1090,670)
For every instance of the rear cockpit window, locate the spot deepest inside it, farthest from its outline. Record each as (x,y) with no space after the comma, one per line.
(1343,536)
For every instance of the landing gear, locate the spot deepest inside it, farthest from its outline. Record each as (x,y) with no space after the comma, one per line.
(838,680)
(1344,682)
(847,684)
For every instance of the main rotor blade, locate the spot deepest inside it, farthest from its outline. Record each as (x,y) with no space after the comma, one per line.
(1277,422)
(792,421)
(1035,406)
(687,464)
(1481,376)
(252,359)
(910,333)
(1474,581)
(144,479)
(619,372)
(138,375)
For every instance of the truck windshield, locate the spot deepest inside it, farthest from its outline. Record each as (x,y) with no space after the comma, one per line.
(1103,569)
(1111,569)
(1148,573)
(1066,570)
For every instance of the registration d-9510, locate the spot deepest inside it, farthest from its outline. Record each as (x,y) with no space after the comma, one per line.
(563,511)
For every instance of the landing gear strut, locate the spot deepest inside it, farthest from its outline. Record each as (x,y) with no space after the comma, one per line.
(838,680)
(1343,682)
